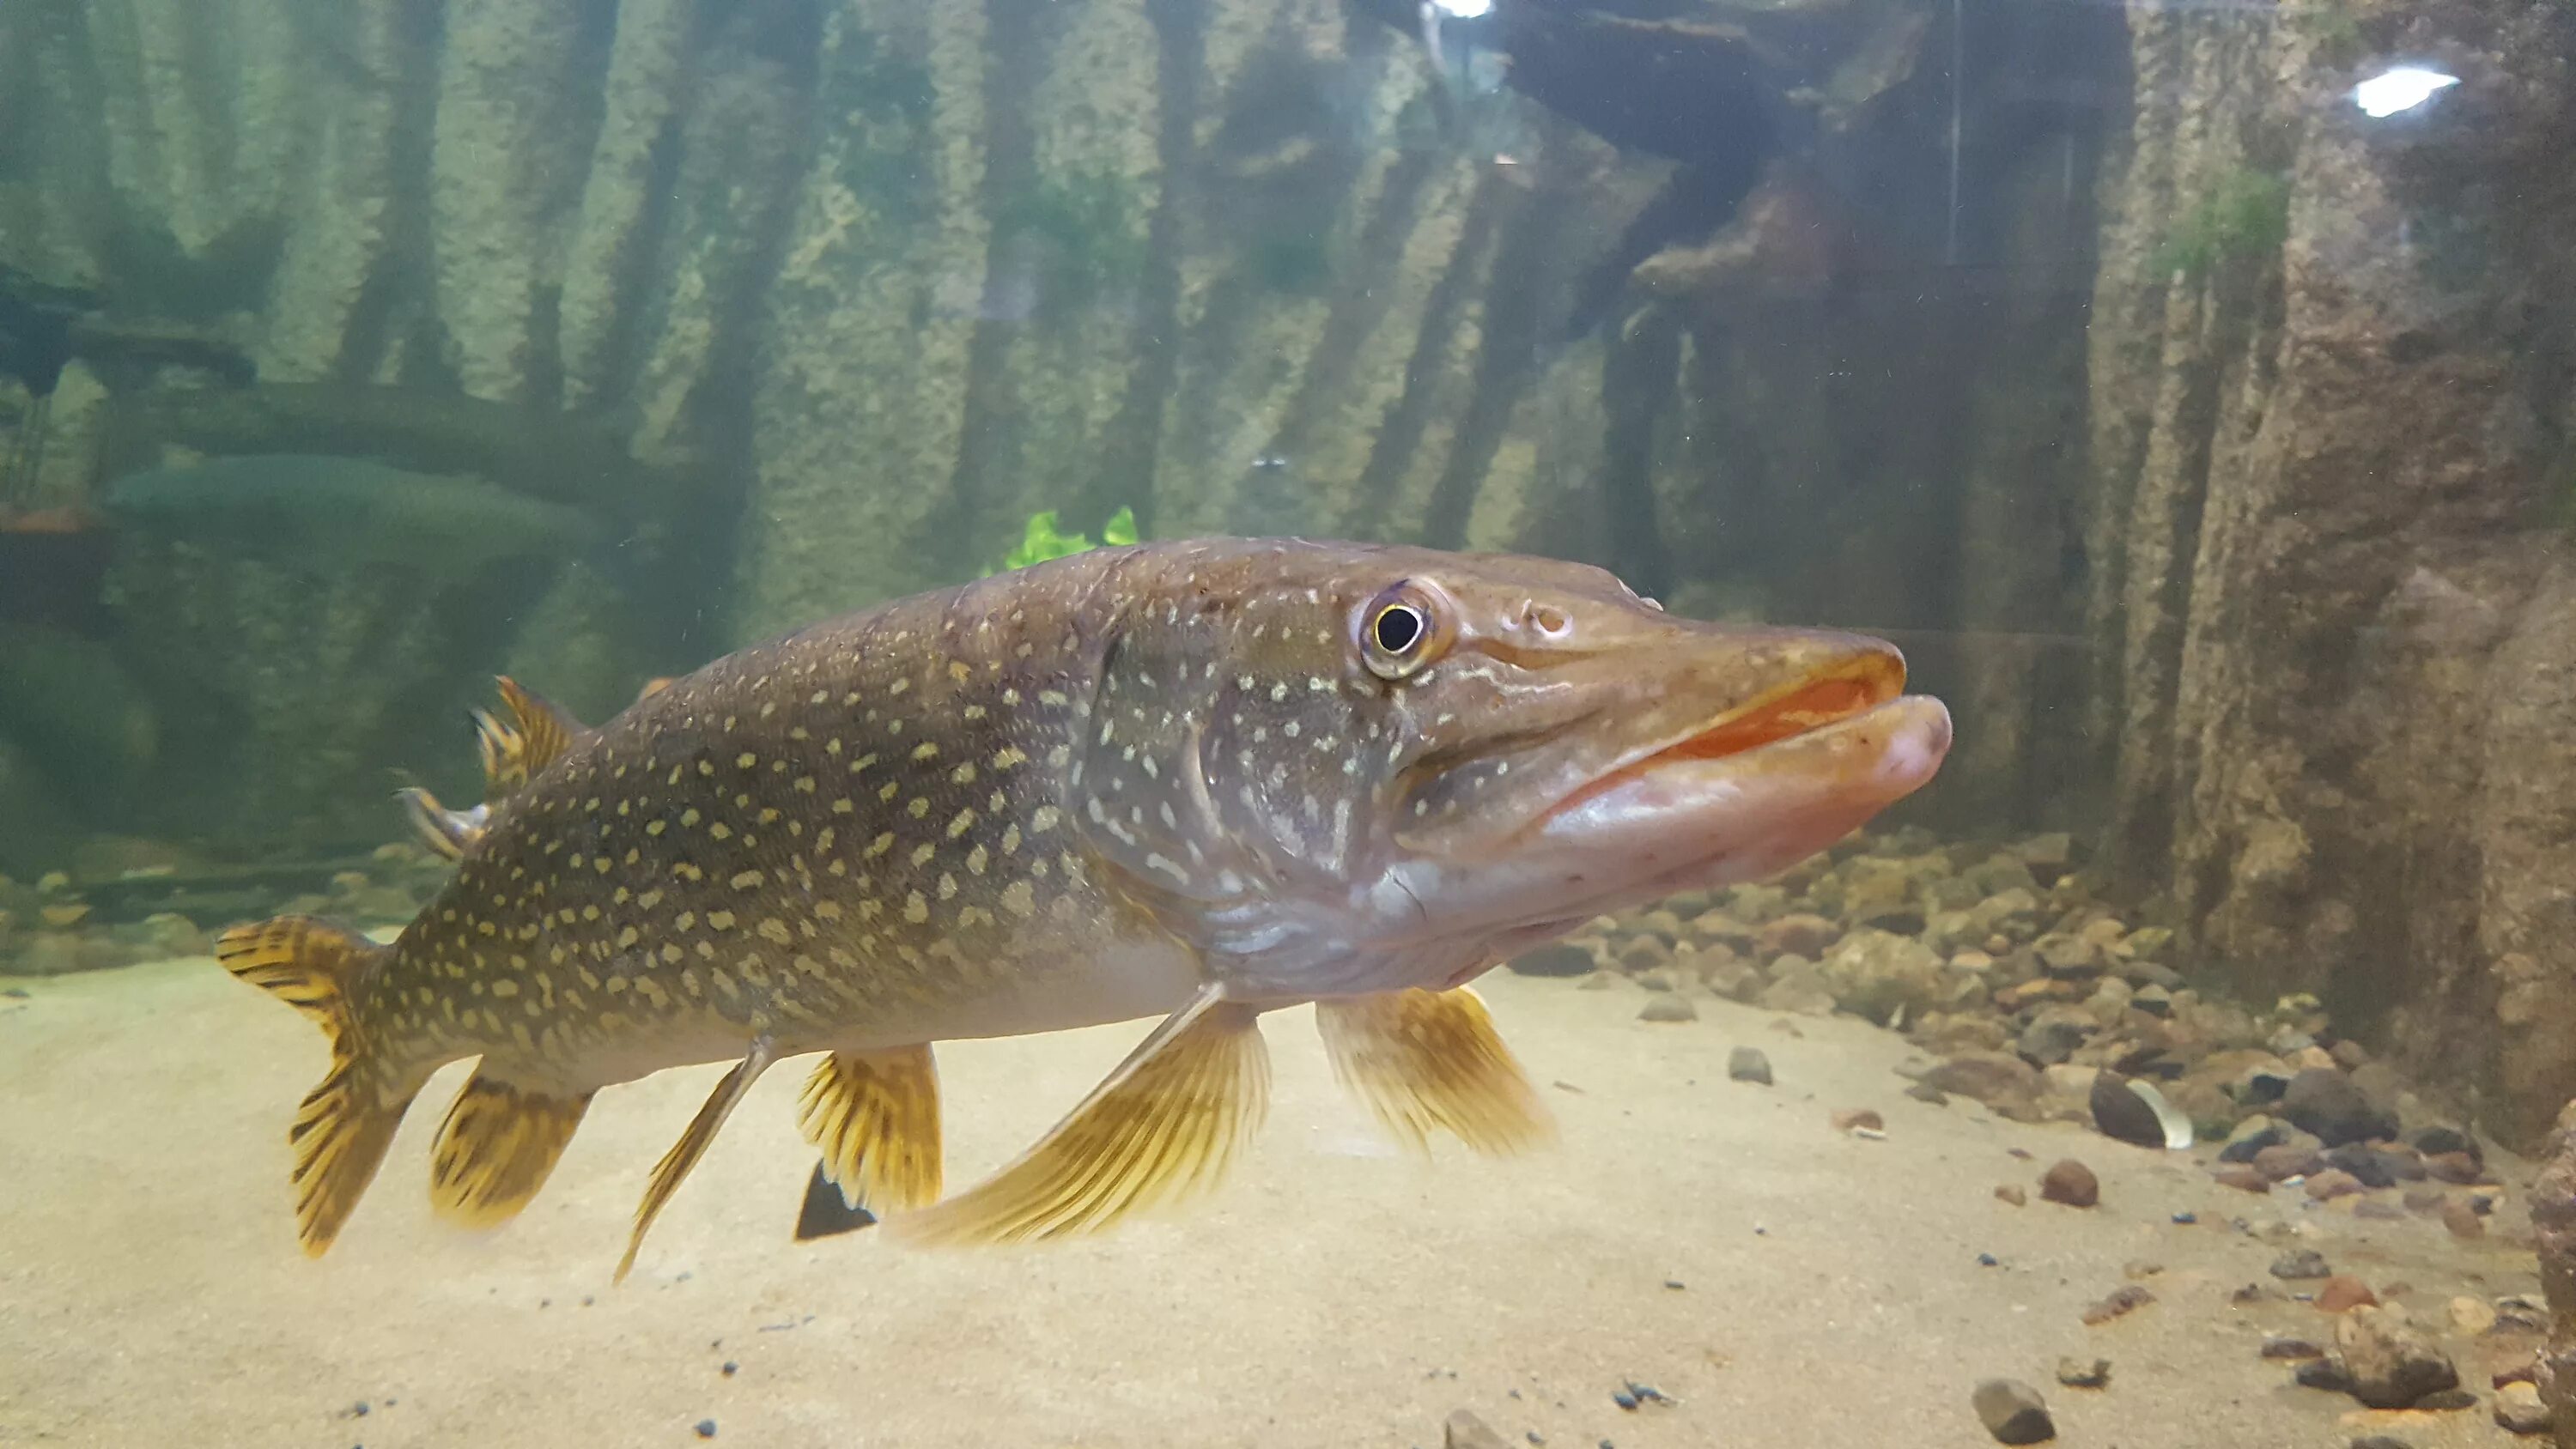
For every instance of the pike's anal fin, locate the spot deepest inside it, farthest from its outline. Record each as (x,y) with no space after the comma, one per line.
(684,1154)
(496,1147)
(1431,1059)
(875,1117)
(1164,1126)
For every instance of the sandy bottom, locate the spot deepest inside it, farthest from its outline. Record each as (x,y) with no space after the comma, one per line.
(1788,1285)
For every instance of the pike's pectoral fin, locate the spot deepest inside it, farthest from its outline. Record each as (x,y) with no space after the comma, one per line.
(496,1147)
(1425,1059)
(684,1154)
(1164,1126)
(445,831)
(875,1115)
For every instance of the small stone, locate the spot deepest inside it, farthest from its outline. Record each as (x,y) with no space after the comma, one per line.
(2426,1199)
(1859,1117)
(730,1368)
(2126,1299)
(2070,1182)
(2448,1400)
(1748,1064)
(2301,1263)
(2078,1373)
(1669,1007)
(1556,958)
(2242,1176)
(2343,1293)
(2454,1167)
(2333,1183)
(2472,1316)
(706,1428)
(2519,1409)
(1597,981)
(2462,1219)
(1926,1092)
(1465,1431)
(2392,1363)
(2291,1348)
(2013,1412)
(2012,1193)
(2518,1313)
(2326,1102)
(2326,1374)
(1801,934)
(2287,1161)
(2443,1141)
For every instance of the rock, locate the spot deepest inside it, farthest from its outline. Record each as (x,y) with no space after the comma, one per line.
(1557,958)
(2013,1412)
(1800,934)
(2376,1166)
(2447,1400)
(1717,928)
(1923,1092)
(2287,1161)
(2517,1313)
(2518,1408)
(2121,1113)
(2472,1316)
(1465,1431)
(2462,1219)
(2454,1167)
(1995,1078)
(2326,1374)
(2011,1192)
(2291,1348)
(2392,1363)
(1798,985)
(2326,1102)
(2070,958)
(2342,1293)
(2065,1079)
(1748,1064)
(2070,1182)
(2438,1141)
(2332,1183)
(2053,1036)
(1669,1006)
(1598,981)
(2078,1373)
(1660,979)
(1861,1117)
(2250,1137)
(2301,1263)
(1877,974)
(1641,954)
(2127,1298)
(2238,1175)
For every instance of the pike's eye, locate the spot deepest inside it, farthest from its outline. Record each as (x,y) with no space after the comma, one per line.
(1398,626)
(1403,629)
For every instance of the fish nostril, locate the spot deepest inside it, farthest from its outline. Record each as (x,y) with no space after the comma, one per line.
(1548,620)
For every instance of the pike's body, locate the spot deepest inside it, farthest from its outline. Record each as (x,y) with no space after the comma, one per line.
(1193,781)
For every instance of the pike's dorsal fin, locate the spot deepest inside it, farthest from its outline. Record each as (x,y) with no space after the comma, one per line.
(684,1154)
(875,1116)
(517,749)
(1165,1125)
(1431,1059)
(496,1147)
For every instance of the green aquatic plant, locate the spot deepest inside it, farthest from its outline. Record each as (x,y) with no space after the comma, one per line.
(1041,540)
(2246,214)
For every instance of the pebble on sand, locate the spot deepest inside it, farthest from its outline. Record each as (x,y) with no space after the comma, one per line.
(2077,1373)
(2070,1182)
(2122,1300)
(1465,1431)
(1748,1064)
(2301,1263)
(2013,1412)
(706,1428)
(1670,1006)
(2242,1176)
(2519,1409)
(2463,1220)
(2391,1362)
(2011,1192)
(1863,1118)
(2343,1292)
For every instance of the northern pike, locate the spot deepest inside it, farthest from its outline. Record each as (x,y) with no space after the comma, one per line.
(1195,780)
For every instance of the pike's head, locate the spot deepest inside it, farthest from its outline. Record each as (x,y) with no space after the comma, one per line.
(1392,767)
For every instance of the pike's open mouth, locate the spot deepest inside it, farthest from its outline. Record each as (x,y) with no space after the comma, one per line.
(1866,683)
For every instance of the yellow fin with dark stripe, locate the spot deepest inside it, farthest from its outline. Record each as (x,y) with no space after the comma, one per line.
(496,1147)
(448,832)
(684,1154)
(1165,1126)
(1432,1059)
(518,749)
(875,1116)
(344,1125)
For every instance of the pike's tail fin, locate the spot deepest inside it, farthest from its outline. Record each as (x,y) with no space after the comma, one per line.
(342,1130)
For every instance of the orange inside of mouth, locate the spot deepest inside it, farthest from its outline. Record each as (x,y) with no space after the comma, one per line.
(1810,706)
